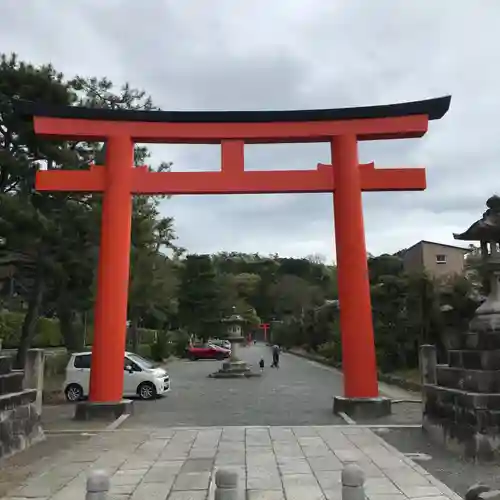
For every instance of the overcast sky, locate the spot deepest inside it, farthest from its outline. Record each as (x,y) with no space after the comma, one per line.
(291,54)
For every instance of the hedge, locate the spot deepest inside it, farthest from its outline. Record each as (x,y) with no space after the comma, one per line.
(48,332)
(146,336)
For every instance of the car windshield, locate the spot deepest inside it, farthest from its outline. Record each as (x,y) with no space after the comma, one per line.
(142,362)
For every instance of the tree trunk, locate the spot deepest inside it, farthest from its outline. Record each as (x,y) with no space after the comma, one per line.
(73,337)
(134,334)
(28,329)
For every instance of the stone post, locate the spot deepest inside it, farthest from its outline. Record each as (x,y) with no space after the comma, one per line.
(226,485)
(428,362)
(353,480)
(97,485)
(33,375)
(234,351)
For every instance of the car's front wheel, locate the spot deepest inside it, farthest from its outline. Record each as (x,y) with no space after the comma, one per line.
(147,391)
(73,393)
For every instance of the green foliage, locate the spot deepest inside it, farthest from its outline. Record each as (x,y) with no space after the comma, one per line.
(331,350)
(286,334)
(162,348)
(50,240)
(47,331)
(180,342)
(144,350)
(146,335)
(408,310)
(198,296)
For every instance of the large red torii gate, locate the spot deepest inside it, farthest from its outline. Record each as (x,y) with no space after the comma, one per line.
(346,178)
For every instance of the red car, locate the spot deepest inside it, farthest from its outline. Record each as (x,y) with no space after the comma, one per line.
(208,351)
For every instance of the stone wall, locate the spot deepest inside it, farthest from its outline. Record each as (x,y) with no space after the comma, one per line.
(19,416)
(462,403)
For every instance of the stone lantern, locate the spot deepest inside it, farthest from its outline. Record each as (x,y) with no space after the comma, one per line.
(487,232)
(234,332)
(234,367)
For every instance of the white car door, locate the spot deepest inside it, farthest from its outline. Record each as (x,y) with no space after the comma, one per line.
(81,372)
(131,377)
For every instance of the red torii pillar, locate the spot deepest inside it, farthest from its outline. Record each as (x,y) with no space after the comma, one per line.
(106,376)
(118,180)
(360,379)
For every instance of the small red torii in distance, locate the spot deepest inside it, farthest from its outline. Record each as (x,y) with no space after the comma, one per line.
(119,180)
(265,327)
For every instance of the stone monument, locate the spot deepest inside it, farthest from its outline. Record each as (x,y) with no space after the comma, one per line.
(234,367)
(462,398)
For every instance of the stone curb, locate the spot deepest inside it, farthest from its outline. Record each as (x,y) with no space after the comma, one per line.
(113,426)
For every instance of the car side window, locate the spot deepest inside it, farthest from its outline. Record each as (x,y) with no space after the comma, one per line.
(83,361)
(127,364)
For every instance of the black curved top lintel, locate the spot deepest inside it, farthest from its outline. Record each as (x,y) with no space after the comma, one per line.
(434,108)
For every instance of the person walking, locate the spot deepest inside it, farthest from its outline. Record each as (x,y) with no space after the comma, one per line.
(261,364)
(276,356)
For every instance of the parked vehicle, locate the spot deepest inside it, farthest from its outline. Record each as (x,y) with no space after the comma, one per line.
(142,377)
(221,343)
(208,351)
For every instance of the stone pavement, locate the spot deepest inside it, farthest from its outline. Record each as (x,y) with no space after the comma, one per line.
(279,397)
(273,463)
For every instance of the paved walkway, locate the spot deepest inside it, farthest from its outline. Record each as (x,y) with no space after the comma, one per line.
(273,463)
(299,393)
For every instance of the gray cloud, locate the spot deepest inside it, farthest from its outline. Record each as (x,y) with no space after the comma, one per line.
(284,55)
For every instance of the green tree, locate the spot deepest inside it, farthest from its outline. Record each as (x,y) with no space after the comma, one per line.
(198,296)
(54,236)
(153,284)
(27,219)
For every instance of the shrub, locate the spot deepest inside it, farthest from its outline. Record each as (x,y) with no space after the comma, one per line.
(161,348)
(180,342)
(144,350)
(145,336)
(331,350)
(10,328)
(48,333)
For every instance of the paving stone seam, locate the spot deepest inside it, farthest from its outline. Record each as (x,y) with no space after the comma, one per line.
(314,472)
(419,469)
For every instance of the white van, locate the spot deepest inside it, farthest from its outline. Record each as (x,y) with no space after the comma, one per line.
(141,378)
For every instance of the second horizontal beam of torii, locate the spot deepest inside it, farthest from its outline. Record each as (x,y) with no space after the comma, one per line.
(321,180)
